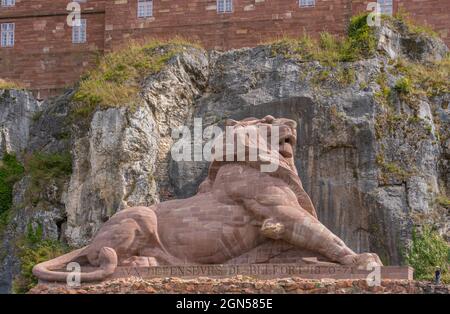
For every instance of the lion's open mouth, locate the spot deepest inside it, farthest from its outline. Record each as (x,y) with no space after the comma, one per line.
(287,143)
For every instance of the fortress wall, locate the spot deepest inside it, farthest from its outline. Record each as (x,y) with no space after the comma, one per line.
(29,8)
(43,56)
(251,23)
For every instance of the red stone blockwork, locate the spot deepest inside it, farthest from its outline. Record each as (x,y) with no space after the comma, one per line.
(44,57)
(28,8)
(251,22)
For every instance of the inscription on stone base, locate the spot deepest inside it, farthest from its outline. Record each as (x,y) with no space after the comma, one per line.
(262,271)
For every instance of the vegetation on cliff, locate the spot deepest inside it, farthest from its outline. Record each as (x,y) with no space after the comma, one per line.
(427,251)
(422,80)
(403,21)
(360,43)
(46,169)
(33,248)
(418,78)
(11,171)
(117,78)
(4,84)
(444,201)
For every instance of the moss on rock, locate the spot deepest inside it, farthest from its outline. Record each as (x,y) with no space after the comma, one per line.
(10,172)
(33,248)
(45,169)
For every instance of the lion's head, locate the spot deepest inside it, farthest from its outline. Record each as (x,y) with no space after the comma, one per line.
(273,139)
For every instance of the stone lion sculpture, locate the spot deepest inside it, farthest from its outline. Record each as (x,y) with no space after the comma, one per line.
(237,208)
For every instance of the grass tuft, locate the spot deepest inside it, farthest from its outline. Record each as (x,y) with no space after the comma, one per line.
(403,86)
(444,201)
(116,80)
(429,79)
(4,84)
(360,43)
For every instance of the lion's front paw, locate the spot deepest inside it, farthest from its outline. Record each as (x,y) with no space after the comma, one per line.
(272,229)
(362,260)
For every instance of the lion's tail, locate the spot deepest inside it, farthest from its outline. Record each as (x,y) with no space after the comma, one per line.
(108,264)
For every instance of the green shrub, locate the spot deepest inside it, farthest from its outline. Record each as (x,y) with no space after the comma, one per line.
(345,76)
(116,80)
(34,249)
(403,86)
(47,165)
(429,79)
(321,77)
(444,201)
(384,95)
(10,172)
(44,169)
(362,40)
(428,250)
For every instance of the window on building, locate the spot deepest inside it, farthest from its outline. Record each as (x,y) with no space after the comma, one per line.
(145,8)
(224,6)
(7,39)
(385,7)
(8,3)
(79,32)
(307,3)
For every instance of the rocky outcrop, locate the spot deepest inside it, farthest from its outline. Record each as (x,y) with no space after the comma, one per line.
(398,40)
(45,129)
(247,285)
(373,169)
(18,108)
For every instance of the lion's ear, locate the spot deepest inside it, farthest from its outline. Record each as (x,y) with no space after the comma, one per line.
(268,119)
(230,122)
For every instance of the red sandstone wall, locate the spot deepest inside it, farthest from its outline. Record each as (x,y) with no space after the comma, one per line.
(251,22)
(47,7)
(44,57)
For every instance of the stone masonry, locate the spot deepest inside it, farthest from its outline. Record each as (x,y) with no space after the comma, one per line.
(248,285)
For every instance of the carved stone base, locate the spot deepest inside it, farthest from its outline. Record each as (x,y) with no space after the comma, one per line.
(261,271)
(258,271)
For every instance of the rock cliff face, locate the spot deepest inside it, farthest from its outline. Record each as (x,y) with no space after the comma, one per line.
(16,116)
(373,170)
